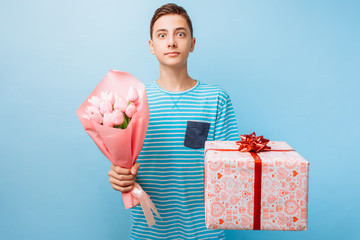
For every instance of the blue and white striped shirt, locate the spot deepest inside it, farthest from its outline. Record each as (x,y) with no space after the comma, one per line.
(171,173)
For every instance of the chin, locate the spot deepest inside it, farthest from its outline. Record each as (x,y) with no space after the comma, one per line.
(174,65)
(173,62)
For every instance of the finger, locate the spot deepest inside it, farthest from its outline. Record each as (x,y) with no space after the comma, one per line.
(120,170)
(118,183)
(121,177)
(135,168)
(122,189)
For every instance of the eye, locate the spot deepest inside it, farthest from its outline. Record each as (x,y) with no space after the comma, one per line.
(161,35)
(181,34)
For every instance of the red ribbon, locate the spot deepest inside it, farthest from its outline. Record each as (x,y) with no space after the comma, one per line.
(253,144)
(257,191)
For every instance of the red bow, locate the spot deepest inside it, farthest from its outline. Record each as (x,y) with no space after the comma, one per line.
(252,143)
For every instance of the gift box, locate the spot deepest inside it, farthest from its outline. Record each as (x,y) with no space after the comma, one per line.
(255,191)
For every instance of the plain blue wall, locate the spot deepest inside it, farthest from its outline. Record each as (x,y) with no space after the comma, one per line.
(290,67)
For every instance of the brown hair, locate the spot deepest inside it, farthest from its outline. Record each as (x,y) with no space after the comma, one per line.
(167,9)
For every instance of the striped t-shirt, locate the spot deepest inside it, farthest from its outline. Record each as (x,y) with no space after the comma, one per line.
(172,173)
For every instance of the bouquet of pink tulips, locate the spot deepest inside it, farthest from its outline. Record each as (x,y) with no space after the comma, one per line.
(112,110)
(118,127)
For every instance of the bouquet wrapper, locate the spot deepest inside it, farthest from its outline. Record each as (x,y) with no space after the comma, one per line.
(122,146)
(262,191)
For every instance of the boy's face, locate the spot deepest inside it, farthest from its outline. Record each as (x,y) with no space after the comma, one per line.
(171,40)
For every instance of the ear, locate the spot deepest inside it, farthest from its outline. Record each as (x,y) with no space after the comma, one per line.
(192,46)
(151,46)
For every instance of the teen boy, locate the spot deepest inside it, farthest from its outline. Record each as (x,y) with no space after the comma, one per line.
(184,113)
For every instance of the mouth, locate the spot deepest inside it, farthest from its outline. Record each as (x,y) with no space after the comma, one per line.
(171,54)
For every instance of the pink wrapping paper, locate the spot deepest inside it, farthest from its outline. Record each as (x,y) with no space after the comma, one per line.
(120,146)
(229,188)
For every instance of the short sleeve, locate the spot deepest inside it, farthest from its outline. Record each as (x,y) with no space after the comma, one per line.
(226,128)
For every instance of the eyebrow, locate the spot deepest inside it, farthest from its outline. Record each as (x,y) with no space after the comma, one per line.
(176,29)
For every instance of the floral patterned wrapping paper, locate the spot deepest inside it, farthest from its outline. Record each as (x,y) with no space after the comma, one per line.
(229,188)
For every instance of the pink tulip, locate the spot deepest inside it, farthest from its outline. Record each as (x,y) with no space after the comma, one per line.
(108,120)
(120,104)
(103,95)
(115,97)
(90,110)
(85,116)
(95,101)
(133,95)
(118,117)
(131,110)
(93,113)
(108,96)
(96,117)
(105,107)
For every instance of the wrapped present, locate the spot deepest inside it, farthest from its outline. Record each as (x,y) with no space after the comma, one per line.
(254,186)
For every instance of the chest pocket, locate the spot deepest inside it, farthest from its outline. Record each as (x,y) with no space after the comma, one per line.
(196,134)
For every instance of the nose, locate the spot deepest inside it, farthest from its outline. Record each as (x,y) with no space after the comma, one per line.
(172,45)
(171,42)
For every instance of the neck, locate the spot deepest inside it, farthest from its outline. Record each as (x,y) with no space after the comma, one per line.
(175,79)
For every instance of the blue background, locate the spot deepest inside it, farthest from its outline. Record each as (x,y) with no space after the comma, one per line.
(290,67)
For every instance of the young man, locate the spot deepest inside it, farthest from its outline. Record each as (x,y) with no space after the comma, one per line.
(184,113)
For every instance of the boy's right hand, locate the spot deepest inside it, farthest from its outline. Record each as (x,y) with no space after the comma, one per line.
(123,179)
